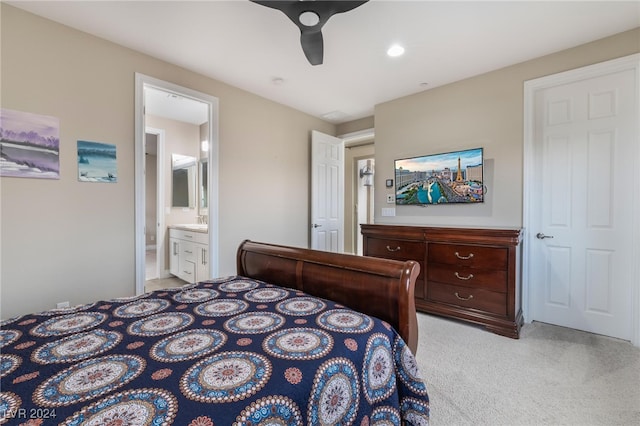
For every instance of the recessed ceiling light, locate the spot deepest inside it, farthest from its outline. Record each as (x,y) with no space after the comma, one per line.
(395,50)
(278,81)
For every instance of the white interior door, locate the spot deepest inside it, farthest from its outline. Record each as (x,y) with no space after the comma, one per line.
(327,192)
(585,136)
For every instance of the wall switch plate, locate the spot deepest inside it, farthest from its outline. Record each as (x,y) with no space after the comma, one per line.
(388,211)
(391,198)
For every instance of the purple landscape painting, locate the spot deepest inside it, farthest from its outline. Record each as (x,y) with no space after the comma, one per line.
(29,145)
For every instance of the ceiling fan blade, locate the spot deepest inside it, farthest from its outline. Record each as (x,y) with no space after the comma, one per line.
(310,34)
(312,46)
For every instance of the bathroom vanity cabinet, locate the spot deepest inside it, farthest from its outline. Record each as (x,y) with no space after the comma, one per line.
(189,254)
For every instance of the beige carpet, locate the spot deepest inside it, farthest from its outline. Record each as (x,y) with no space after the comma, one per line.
(550,376)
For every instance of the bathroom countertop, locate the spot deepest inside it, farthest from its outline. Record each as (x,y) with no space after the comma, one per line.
(195,227)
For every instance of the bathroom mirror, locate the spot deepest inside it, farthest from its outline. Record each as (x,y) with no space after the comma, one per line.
(203,188)
(183,181)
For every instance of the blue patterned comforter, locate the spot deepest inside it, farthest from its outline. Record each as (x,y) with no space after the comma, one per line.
(232,351)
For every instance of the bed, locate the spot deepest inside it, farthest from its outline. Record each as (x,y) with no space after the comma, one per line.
(296,337)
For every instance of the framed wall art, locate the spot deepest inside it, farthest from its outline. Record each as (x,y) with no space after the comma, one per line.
(29,145)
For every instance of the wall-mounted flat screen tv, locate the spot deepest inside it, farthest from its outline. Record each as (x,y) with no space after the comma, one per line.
(451,177)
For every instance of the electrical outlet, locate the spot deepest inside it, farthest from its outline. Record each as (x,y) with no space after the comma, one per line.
(62,305)
(391,198)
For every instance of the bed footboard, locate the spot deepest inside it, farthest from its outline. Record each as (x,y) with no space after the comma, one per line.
(378,287)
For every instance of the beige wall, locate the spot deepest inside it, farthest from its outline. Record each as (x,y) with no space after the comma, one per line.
(66,240)
(355,126)
(484,111)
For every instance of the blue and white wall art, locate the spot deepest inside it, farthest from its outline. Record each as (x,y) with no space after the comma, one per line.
(97,162)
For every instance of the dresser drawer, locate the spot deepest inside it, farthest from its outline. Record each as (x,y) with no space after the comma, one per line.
(400,250)
(473,298)
(396,249)
(494,280)
(468,255)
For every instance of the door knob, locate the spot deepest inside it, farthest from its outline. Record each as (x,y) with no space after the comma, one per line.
(315,225)
(541,236)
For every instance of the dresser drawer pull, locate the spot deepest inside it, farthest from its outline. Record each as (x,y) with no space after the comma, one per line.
(463,298)
(464,257)
(468,277)
(393,249)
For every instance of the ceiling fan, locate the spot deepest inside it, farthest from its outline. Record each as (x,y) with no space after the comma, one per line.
(310,16)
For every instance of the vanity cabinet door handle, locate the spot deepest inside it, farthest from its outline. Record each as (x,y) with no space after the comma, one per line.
(463,298)
(393,249)
(460,277)
(175,248)
(459,256)
(204,256)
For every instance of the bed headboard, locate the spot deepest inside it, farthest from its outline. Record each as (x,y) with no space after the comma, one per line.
(377,287)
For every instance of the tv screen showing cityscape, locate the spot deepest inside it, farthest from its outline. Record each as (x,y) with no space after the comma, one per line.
(451,177)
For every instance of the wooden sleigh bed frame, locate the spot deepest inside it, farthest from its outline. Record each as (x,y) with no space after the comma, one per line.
(377,287)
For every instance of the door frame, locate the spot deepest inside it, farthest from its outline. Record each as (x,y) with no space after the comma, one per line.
(531,87)
(141,81)
(353,141)
(357,202)
(160,182)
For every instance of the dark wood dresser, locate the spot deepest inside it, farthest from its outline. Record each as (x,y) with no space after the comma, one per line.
(471,274)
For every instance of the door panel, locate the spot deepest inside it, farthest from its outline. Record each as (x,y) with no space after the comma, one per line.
(584,135)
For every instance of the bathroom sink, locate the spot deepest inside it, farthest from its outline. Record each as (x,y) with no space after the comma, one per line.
(202,227)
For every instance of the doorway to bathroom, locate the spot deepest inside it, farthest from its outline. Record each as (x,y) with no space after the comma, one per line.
(173,123)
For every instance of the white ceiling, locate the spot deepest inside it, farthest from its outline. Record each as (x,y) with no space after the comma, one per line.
(248,46)
(169,105)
